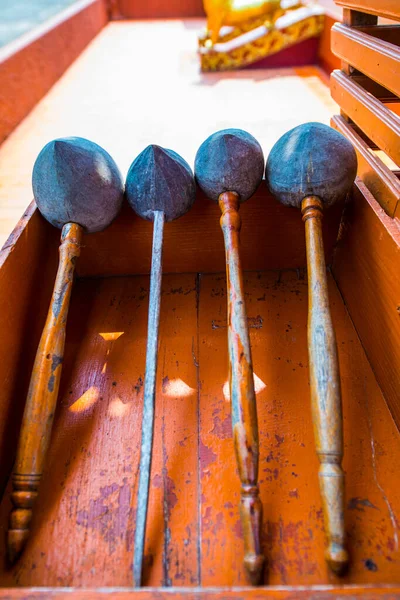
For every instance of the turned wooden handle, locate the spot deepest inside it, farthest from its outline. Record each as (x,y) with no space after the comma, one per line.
(42,397)
(326,401)
(243,398)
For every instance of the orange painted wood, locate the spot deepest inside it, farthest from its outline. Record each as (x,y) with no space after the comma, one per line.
(28,74)
(326,401)
(367,269)
(382,8)
(377,59)
(271,237)
(378,178)
(289,593)
(41,401)
(387,33)
(160,9)
(378,122)
(293,534)
(375,89)
(93,462)
(326,57)
(83,525)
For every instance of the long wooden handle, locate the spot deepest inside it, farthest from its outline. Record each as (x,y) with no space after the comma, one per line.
(326,403)
(42,397)
(243,398)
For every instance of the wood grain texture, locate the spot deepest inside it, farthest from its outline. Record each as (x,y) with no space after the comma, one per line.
(289,593)
(382,8)
(378,59)
(42,396)
(378,178)
(326,401)
(29,73)
(83,528)
(367,269)
(272,236)
(277,312)
(243,397)
(91,484)
(378,122)
(28,264)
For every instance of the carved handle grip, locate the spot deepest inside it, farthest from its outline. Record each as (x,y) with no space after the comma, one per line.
(243,398)
(42,397)
(326,401)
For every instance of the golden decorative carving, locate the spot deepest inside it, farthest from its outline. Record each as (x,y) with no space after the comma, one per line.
(240,33)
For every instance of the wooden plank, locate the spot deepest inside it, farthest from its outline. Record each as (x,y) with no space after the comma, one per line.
(367,269)
(338,592)
(292,531)
(379,179)
(194,243)
(377,59)
(84,520)
(378,122)
(375,89)
(383,8)
(387,33)
(83,529)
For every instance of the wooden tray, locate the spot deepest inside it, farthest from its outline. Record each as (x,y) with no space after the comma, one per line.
(82,536)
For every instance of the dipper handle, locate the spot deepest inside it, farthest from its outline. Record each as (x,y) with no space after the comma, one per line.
(326,404)
(150,380)
(42,397)
(243,398)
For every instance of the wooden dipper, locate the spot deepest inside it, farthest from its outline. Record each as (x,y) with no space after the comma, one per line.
(159,187)
(77,188)
(229,167)
(311,167)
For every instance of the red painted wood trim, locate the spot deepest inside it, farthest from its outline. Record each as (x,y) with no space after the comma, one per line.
(27,74)
(160,9)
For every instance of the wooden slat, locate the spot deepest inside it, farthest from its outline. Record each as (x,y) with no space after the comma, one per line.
(378,122)
(125,247)
(379,179)
(377,90)
(367,269)
(82,531)
(335,592)
(386,33)
(378,59)
(383,8)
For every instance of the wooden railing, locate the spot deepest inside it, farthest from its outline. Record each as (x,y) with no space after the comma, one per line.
(367,90)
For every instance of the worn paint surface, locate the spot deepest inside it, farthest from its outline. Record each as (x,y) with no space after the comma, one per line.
(42,396)
(241,384)
(82,530)
(289,593)
(326,403)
